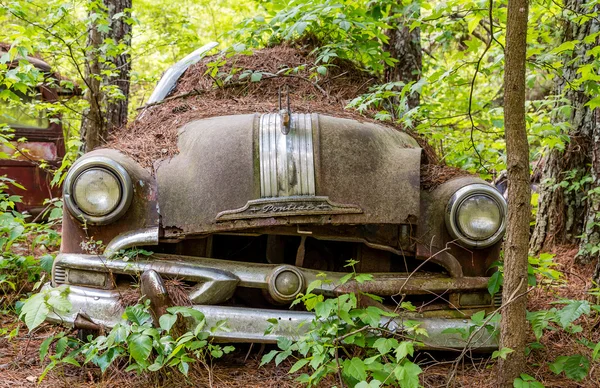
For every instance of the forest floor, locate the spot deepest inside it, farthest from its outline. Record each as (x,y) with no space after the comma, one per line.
(20,365)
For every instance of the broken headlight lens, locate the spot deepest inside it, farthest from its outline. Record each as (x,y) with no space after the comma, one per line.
(97,190)
(475,215)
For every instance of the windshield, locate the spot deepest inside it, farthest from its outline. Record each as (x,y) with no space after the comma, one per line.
(22,113)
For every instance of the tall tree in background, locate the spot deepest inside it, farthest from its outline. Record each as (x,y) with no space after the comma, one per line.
(404,45)
(513,326)
(108,67)
(566,208)
(120,32)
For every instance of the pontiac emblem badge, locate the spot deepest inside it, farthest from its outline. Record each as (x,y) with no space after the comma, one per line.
(287,206)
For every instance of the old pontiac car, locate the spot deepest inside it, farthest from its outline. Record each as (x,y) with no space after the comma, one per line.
(253,207)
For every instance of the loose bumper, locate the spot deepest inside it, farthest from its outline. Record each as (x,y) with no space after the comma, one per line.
(94,308)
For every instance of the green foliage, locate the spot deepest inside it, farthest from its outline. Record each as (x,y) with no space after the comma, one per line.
(526,381)
(541,268)
(37,307)
(575,367)
(345,29)
(142,346)
(353,342)
(19,242)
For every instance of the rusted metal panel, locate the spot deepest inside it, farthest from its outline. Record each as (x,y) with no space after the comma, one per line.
(30,151)
(142,213)
(433,239)
(211,185)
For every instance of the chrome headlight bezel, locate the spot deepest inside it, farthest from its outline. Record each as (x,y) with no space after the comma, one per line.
(454,205)
(98,162)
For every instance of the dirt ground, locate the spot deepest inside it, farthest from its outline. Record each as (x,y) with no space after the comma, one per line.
(20,365)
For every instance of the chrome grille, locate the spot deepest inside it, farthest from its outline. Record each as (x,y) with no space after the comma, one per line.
(498,298)
(287,164)
(60,275)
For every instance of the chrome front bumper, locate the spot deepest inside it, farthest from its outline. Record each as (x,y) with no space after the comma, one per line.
(93,307)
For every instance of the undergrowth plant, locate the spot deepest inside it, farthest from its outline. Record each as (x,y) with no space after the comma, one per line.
(353,339)
(563,316)
(140,346)
(25,246)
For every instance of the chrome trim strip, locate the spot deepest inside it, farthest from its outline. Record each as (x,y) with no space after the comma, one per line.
(287,166)
(255,275)
(250,324)
(148,236)
(171,76)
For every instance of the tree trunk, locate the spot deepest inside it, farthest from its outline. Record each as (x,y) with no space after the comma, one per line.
(107,111)
(405,46)
(589,247)
(561,216)
(92,125)
(120,32)
(513,326)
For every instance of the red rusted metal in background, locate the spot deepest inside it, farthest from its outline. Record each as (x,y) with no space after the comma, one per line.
(42,144)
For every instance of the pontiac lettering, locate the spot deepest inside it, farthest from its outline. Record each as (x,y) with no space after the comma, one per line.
(291,207)
(287,206)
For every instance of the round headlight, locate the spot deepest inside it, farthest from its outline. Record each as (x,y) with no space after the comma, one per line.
(97,190)
(475,215)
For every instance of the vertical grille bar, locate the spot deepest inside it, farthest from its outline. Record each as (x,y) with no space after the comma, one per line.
(286,161)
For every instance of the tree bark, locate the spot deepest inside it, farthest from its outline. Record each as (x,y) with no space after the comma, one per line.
(120,32)
(513,326)
(92,125)
(589,247)
(405,46)
(561,216)
(107,112)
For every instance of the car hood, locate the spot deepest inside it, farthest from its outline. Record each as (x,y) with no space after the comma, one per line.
(244,171)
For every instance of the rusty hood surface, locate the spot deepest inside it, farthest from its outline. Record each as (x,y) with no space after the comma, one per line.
(242,171)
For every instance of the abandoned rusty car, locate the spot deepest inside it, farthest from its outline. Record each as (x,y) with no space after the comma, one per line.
(252,207)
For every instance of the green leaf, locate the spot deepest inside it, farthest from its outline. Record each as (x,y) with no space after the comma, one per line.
(572,311)
(61,346)
(282,356)
(384,345)
(576,367)
(502,353)
(140,347)
(183,368)
(59,303)
(167,321)
(46,262)
(478,317)
(406,348)
(137,314)
(495,282)
(44,347)
(107,358)
(526,381)
(355,368)
(267,358)
(256,76)
(596,352)
(408,374)
(34,311)
(299,365)
(284,343)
